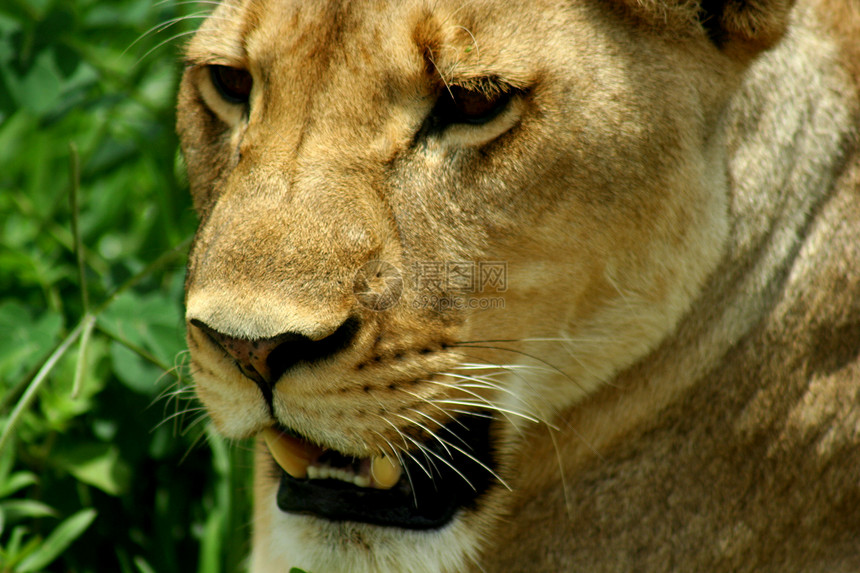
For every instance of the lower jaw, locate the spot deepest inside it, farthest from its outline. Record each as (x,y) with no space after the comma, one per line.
(428,496)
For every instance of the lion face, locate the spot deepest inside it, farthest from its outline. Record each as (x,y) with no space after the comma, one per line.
(426,228)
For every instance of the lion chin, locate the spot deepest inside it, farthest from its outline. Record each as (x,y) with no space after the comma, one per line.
(532,285)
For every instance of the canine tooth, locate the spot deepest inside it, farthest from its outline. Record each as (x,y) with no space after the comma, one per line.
(385,472)
(292,454)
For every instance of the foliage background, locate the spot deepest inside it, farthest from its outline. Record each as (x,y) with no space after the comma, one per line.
(115,475)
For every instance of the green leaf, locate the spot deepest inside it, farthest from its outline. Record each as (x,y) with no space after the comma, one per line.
(41,89)
(18,509)
(133,371)
(39,7)
(59,405)
(210,546)
(153,322)
(142,565)
(34,386)
(98,465)
(7,461)
(16,481)
(24,339)
(58,541)
(16,549)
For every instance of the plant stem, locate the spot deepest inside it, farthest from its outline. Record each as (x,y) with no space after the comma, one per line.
(75,180)
(30,394)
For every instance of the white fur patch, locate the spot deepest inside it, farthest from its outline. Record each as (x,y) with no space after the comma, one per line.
(319,546)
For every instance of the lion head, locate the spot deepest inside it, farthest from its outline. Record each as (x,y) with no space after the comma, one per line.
(428,228)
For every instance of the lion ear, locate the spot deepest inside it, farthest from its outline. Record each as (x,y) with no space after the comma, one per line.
(743,28)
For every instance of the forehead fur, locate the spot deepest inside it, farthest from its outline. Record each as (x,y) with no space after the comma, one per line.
(454,42)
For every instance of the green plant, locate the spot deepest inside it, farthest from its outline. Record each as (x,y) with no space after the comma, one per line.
(23,553)
(103,465)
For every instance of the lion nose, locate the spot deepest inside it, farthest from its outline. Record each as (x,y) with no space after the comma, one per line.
(266,360)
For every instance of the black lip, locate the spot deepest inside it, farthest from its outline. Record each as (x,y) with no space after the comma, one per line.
(417,501)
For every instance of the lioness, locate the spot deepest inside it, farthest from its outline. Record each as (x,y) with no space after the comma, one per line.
(532,285)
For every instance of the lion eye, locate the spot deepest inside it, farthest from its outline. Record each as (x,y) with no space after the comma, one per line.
(461,105)
(233,84)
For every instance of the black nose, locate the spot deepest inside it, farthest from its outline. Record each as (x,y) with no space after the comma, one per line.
(266,360)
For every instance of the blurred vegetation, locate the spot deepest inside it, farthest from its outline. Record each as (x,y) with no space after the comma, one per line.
(106,462)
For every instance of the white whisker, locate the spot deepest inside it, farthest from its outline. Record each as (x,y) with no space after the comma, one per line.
(406,451)
(161,44)
(429,432)
(201,418)
(567,505)
(449,464)
(462,388)
(202,436)
(487,406)
(473,413)
(462,451)
(400,460)
(420,413)
(441,409)
(486,383)
(425,451)
(502,367)
(158,28)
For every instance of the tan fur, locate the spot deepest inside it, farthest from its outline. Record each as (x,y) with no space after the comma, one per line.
(677,200)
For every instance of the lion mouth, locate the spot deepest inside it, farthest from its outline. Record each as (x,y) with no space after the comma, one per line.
(424,489)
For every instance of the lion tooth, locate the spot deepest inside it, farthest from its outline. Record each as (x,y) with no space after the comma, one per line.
(299,459)
(385,472)
(293,455)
